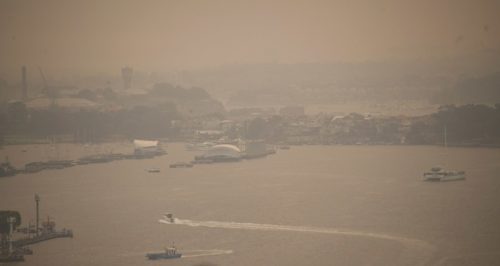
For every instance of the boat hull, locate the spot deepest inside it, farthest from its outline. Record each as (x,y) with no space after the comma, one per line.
(440,177)
(160,256)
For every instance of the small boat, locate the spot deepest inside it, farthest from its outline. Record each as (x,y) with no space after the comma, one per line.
(169,253)
(58,164)
(153,170)
(98,158)
(439,174)
(181,165)
(169,217)
(198,160)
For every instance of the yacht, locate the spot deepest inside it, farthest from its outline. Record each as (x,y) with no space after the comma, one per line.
(439,174)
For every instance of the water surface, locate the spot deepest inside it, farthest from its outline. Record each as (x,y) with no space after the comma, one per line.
(367,191)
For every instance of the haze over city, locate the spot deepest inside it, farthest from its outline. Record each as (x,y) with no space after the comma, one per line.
(100,36)
(280,132)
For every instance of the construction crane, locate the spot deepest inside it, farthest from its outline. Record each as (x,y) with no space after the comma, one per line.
(48,92)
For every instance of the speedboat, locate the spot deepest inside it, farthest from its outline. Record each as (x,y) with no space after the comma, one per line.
(169,217)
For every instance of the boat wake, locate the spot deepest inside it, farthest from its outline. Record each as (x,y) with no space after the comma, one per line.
(417,249)
(303,229)
(187,253)
(204,252)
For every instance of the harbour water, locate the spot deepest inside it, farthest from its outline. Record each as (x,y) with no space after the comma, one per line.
(310,205)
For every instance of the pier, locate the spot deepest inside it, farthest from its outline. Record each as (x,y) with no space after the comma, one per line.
(7,169)
(11,249)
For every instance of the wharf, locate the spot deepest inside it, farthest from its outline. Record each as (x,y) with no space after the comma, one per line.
(6,169)
(12,249)
(11,257)
(43,237)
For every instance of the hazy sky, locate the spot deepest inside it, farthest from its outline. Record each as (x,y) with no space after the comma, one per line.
(161,35)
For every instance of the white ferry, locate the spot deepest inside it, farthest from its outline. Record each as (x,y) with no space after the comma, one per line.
(439,174)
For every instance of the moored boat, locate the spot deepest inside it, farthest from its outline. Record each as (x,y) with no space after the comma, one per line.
(153,170)
(181,165)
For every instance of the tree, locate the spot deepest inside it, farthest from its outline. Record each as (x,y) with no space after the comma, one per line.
(87,94)
(256,128)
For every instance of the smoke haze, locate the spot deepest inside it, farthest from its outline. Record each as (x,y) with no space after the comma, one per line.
(94,36)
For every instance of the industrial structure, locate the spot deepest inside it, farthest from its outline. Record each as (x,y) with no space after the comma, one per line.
(24,83)
(12,249)
(127,73)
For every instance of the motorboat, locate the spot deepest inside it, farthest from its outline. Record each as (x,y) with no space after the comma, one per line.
(169,217)
(169,253)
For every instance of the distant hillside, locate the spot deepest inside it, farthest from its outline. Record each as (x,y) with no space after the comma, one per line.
(330,83)
(483,89)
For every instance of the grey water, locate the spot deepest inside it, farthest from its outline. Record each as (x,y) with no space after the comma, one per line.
(310,205)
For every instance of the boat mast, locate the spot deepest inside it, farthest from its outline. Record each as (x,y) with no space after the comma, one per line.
(37,200)
(445,137)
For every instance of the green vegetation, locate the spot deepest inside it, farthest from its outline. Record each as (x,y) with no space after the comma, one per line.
(146,115)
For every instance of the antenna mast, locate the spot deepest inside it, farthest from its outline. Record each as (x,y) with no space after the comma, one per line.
(37,200)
